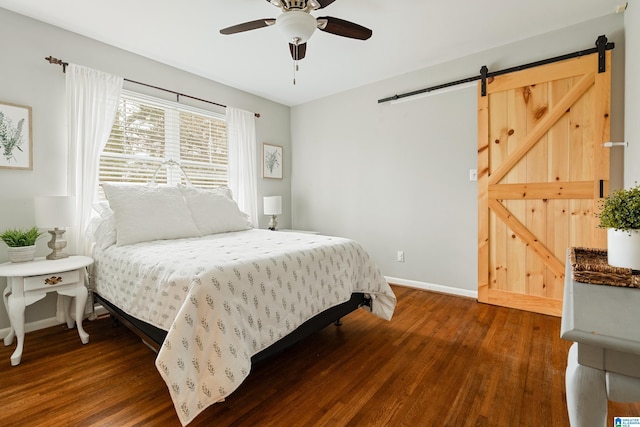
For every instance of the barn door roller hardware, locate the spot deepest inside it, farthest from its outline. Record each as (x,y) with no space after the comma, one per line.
(602,45)
(484,72)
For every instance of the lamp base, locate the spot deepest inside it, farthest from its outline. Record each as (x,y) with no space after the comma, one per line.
(56,244)
(273,224)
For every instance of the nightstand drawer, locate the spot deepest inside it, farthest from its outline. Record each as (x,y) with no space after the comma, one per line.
(50,280)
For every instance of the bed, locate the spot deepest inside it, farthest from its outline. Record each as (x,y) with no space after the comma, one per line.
(184,268)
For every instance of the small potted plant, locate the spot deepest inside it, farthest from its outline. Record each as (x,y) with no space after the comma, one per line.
(621,217)
(21,243)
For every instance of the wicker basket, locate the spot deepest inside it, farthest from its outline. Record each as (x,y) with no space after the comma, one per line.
(22,253)
(590,265)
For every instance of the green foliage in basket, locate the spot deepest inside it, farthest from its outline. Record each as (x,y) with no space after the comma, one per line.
(621,210)
(16,237)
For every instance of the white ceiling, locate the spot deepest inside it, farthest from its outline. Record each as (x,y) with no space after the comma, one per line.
(407,35)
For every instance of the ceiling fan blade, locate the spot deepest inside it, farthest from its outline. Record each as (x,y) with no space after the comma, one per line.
(324,3)
(343,28)
(298,52)
(246,26)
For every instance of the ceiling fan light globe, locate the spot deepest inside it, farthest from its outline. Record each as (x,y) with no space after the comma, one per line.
(296,26)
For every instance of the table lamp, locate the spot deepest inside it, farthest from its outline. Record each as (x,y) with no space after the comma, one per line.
(273,207)
(55,213)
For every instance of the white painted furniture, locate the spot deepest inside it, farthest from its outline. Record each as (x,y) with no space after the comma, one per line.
(604,361)
(28,282)
(286,230)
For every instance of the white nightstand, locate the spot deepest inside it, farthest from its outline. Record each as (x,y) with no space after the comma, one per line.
(286,230)
(28,282)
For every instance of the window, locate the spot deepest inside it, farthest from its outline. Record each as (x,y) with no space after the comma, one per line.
(148,131)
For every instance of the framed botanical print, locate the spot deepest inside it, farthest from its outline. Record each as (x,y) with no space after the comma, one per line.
(272,161)
(15,137)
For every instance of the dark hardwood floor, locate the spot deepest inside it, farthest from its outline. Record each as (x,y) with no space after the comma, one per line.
(442,361)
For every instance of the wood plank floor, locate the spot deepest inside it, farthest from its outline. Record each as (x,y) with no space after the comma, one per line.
(442,361)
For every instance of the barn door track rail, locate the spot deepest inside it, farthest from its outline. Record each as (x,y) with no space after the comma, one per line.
(602,45)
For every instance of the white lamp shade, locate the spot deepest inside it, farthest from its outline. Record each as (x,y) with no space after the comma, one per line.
(273,205)
(296,24)
(55,211)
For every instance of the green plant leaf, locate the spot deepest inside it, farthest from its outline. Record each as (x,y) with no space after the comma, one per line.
(621,210)
(16,237)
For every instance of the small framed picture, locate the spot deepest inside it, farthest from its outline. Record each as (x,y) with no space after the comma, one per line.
(272,161)
(15,137)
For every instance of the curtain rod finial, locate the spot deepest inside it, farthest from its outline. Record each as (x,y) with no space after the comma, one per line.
(53,60)
(57,61)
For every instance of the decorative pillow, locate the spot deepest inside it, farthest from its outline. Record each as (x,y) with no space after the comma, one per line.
(103,209)
(214,211)
(102,227)
(145,213)
(223,189)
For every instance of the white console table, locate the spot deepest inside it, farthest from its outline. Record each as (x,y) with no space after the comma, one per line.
(604,361)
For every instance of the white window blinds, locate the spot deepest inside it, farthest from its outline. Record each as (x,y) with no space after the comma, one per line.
(148,131)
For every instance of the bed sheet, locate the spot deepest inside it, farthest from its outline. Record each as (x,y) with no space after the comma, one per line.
(225,297)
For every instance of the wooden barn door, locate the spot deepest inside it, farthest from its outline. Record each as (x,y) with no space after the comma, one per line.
(542,169)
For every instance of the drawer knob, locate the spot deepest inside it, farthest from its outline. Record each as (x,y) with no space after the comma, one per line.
(53,280)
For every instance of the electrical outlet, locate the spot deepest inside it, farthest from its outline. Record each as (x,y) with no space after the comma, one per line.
(400,256)
(473,174)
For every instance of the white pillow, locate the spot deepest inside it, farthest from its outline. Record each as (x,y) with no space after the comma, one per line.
(223,189)
(103,209)
(102,227)
(145,213)
(214,211)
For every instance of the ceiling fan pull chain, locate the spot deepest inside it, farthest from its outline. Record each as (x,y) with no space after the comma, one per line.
(295,68)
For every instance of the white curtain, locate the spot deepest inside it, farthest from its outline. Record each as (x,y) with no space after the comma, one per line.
(241,136)
(92,102)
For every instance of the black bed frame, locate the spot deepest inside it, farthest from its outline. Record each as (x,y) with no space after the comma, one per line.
(154,337)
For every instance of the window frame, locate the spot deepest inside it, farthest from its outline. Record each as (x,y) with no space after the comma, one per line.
(149,166)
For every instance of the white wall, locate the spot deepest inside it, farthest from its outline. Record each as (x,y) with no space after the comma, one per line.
(27,79)
(396,177)
(632,94)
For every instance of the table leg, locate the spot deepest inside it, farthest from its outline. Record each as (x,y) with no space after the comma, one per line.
(5,295)
(16,315)
(66,304)
(81,301)
(586,393)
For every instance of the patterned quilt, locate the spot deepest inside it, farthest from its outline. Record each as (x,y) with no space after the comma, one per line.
(225,297)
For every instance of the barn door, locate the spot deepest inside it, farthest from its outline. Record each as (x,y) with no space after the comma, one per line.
(542,169)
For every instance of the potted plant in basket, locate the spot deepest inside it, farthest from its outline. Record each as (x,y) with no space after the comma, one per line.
(621,217)
(21,243)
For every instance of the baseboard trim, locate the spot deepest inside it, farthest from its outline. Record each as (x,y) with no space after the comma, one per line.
(34,326)
(432,287)
(47,323)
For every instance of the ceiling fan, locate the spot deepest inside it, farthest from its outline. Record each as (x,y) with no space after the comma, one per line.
(298,25)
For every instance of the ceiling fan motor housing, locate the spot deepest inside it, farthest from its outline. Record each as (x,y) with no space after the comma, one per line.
(294,4)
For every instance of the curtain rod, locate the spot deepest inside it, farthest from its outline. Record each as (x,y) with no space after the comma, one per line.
(57,61)
(601,45)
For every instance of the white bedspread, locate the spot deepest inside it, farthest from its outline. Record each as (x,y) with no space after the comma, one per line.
(225,297)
